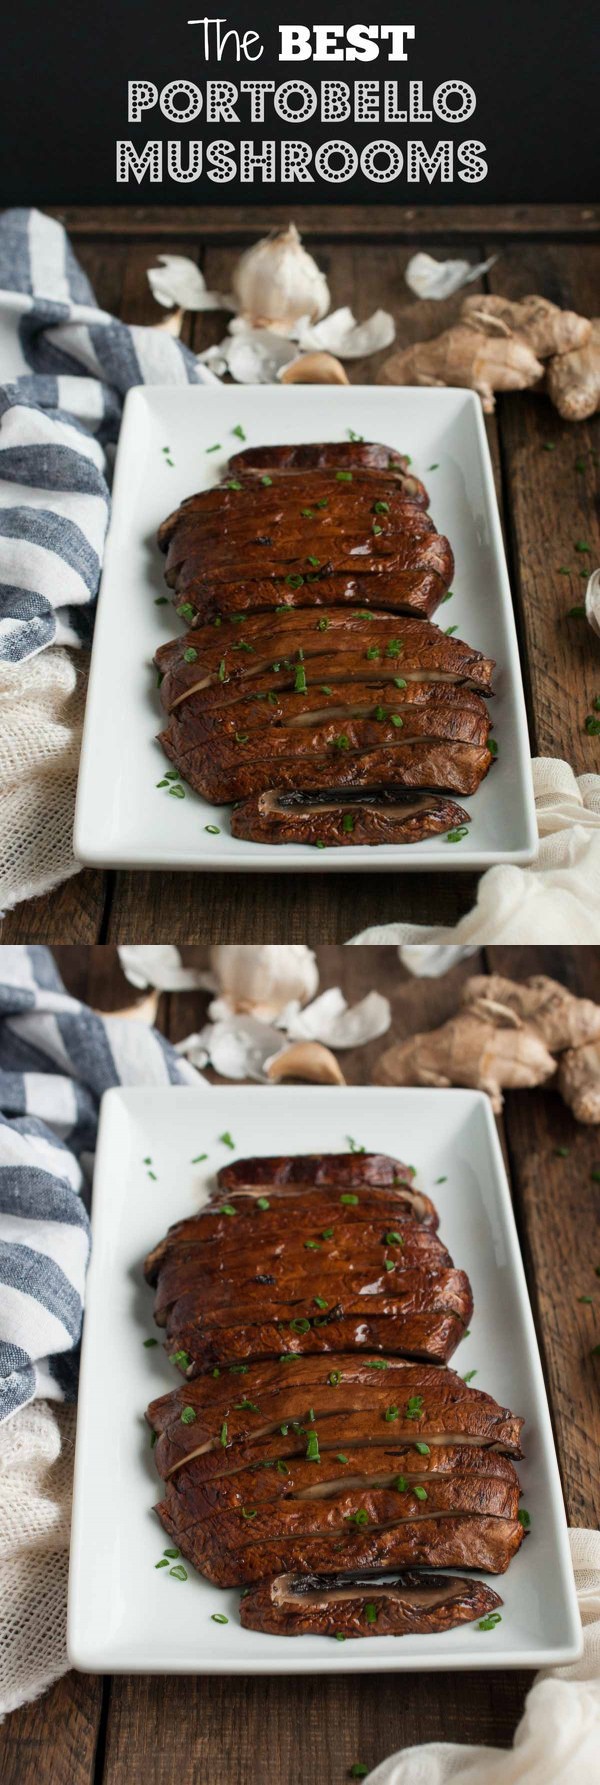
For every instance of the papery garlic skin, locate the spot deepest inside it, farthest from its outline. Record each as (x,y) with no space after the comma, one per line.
(277,280)
(262,981)
(592,602)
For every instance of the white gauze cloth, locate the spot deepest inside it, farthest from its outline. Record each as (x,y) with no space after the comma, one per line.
(558,1739)
(557,899)
(41,716)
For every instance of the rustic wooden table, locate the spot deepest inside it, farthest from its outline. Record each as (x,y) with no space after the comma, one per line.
(150,1731)
(546,497)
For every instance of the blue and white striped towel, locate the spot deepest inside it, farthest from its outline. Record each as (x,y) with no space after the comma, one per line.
(56,1059)
(65,367)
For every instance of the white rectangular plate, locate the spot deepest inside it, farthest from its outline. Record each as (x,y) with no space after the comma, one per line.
(122,818)
(126,1615)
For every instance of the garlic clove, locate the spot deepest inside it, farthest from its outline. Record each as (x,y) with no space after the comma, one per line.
(341,334)
(314,368)
(277,280)
(262,980)
(306,1060)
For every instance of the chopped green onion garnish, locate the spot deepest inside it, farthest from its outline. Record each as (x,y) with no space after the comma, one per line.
(423,1450)
(469,1376)
(312,1448)
(178,1573)
(149,1342)
(218,1617)
(188,1416)
(524,1518)
(349,1199)
(490,1622)
(227,1141)
(223,1433)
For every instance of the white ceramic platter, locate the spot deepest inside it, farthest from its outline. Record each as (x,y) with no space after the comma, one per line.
(123,819)
(124,1614)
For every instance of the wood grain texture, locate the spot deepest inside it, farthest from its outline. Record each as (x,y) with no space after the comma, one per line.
(391,222)
(237,1731)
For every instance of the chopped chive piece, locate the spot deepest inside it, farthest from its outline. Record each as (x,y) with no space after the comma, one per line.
(179,1573)
(376,528)
(396,719)
(401,1484)
(414,1407)
(247,1513)
(238,1369)
(576,613)
(263,1203)
(213,831)
(186,612)
(394,1239)
(581,546)
(227,1208)
(433,467)
(524,1518)
(311,1246)
(398,682)
(449,630)
(227,1141)
(381,507)
(549,446)
(246,1406)
(353,436)
(348,822)
(585,1298)
(339,1457)
(492,747)
(358,1518)
(490,1622)
(391,1413)
(190,655)
(320,1302)
(178,793)
(469,1376)
(216,448)
(334,1377)
(300,680)
(222,671)
(447,596)
(339,1636)
(281,1467)
(294,580)
(216,1371)
(358,1771)
(314,561)
(327,1233)
(266,480)
(188,1415)
(371,1612)
(199,1157)
(372,653)
(342,742)
(561,1152)
(238,430)
(160,601)
(163,1564)
(344,476)
(389,1264)
(395,648)
(300,1326)
(218,1617)
(322,624)
(423,1450)
(233,484)
(592,725)
(349,1199)
(181,1358)
(312,1448)
(441,1180)
(223,1433)
(149,1342)
(457,836)
(376,1363)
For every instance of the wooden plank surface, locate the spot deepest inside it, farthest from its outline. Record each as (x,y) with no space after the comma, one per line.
(161,1731)
(547,499)
(390,222)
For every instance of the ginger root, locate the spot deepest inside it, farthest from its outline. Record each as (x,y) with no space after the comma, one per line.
(547,329)
(559,1018)
(466,356)
(487,1052)
(573,379)
(579,1081)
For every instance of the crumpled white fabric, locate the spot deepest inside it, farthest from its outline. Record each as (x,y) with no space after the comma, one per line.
(36,1472)
(558,1739)
(555,900)
(42,701)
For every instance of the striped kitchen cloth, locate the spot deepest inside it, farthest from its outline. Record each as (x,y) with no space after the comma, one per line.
(65,367)
(56,1059)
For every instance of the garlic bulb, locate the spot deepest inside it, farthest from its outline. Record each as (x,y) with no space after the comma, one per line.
(277,281)
(263,980)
